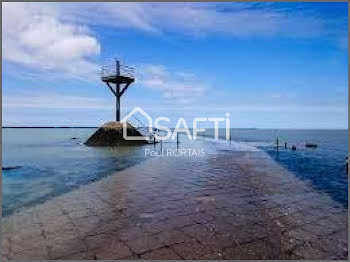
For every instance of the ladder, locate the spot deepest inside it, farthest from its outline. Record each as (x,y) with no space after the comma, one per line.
(143,129)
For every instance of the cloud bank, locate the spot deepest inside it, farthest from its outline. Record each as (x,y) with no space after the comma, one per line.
(35,38)
(178,87)
(59,36)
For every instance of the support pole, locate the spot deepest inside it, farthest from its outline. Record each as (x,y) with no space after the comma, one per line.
(117,89)
(117,107)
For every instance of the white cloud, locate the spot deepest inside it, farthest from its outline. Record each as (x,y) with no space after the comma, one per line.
(235,19)
(34,37)
(51,100)
(276,95)
(57,37)
(54,100)
(180,87)
(54,35)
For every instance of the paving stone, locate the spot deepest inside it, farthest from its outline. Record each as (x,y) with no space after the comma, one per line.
(113,250)
(25,234)
(311,251)
(172,236)
(64,249)
(183,221)
(145,244)
(335,244)
(98,241)
(85,255)
(212,256)
(160,254)
(20,245)
(197,231)
(155,227)
(38,252)
(319,230)
(254,250)
(191,249)
(5,247)
(128,234)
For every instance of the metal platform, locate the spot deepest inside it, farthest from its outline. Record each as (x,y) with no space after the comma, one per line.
(126,74)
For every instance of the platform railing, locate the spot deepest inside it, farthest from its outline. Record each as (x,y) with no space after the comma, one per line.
(111,70)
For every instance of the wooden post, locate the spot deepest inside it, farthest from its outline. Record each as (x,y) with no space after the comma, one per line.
(285,144)
(277,143)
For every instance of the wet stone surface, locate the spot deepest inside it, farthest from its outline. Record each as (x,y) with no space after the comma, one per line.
(231,205)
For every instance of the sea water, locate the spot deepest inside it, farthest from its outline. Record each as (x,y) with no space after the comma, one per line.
(324,166)
(54,160)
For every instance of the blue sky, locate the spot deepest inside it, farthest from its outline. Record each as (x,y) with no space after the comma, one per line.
(271,65)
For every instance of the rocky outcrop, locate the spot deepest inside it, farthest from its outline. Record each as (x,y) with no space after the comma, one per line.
(10,167)
(111,134)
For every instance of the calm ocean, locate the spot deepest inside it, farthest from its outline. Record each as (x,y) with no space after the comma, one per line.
(52,162)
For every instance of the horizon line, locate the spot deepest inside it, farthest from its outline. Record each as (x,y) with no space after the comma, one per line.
(246,128)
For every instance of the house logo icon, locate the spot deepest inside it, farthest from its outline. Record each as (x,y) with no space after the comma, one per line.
(129,118)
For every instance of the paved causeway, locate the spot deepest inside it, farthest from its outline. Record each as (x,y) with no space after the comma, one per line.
(230,205)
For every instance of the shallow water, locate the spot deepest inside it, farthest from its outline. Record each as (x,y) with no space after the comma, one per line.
(53,163)
(323,166)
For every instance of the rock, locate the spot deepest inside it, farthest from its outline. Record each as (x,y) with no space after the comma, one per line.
(294,148)
(10,167)
(311,145)
(111,134)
